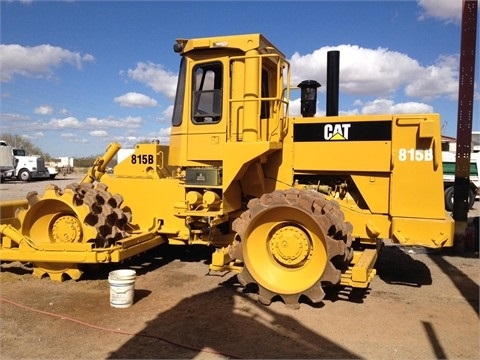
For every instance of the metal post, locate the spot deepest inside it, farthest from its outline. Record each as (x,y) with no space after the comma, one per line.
(464,124)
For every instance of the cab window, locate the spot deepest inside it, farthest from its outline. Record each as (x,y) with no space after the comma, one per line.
(207,93)
(179,97)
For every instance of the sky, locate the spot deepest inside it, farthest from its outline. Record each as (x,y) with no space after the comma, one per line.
(78,75)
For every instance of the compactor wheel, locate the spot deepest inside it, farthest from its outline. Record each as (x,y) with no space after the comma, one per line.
(291,242)
(82,213)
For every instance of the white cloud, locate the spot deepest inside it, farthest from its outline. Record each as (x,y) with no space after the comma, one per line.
(166,114)
(67,135)
(73,138)
(377,106)
(133,99)
(8,117)
(66,123)
(362,70)
(386,106)
(129,122)
(44,110)
(155,76)
(380,72)
(26,125)
(126,141)
(436,80)
(164,133)
(34,136)
(445,10)
(294,107)
(49,110)
(98,133)
(38,60)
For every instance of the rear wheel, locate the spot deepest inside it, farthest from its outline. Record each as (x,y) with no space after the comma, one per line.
(291,242)
(449,196)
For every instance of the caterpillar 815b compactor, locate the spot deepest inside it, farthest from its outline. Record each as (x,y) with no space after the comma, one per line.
(290,203)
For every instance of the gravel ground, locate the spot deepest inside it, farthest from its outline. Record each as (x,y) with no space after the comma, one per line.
(421,305)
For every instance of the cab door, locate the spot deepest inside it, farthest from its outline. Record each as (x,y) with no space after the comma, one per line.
(207,126)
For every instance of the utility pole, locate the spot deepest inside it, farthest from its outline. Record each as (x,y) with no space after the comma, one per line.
(465,118)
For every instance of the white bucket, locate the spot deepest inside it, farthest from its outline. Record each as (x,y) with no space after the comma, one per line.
(122,287)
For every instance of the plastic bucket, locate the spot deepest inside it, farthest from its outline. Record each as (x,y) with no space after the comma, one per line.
(122,287)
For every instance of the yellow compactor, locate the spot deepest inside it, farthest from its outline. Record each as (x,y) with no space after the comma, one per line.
(291,203)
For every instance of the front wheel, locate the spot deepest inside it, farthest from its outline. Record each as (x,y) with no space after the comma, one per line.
(291,242)
(24,175)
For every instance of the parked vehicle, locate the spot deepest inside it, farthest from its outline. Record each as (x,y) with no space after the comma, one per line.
(7,161)
(448,160)
(30,167)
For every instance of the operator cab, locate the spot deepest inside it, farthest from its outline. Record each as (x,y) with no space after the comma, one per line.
(217,103)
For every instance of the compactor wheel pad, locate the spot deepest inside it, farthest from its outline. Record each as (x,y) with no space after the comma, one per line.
(57,271)
(82,213)
(291,242)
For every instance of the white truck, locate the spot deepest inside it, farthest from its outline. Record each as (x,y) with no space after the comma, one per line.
(448,160)
(7,161)
(62,165)
(30,167)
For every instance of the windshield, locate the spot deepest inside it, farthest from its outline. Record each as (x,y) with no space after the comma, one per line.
(18,152)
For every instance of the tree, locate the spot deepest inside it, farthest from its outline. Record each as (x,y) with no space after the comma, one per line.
(85,162)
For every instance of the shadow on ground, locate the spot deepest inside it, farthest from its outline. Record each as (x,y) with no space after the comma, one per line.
(396,267)
(223,323)
(467,287)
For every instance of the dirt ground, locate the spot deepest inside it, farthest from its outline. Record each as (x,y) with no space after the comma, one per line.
(421,305)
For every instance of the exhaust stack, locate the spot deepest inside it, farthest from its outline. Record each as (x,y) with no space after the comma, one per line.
(333,70)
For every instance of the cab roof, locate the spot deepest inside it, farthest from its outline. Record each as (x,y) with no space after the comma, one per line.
(243,42)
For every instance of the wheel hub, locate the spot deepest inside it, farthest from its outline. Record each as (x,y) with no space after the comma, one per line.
(67,229)
(290,246)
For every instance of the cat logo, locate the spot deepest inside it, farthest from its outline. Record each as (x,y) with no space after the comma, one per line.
(380,130)
(336,131)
